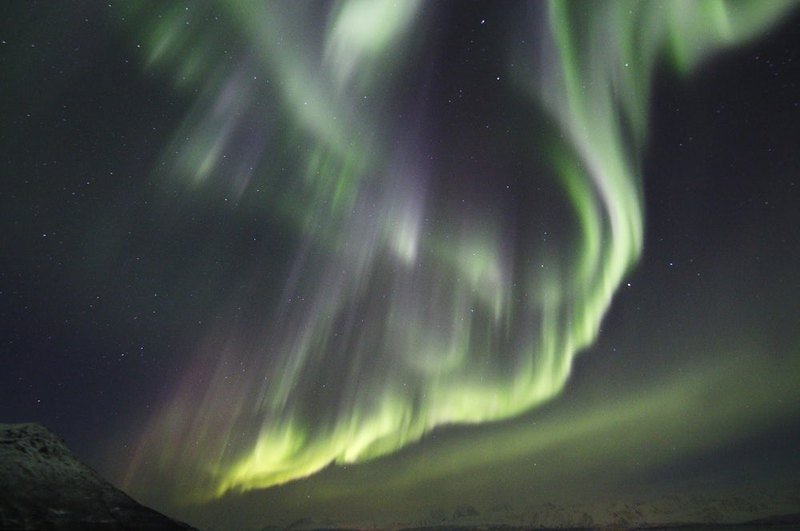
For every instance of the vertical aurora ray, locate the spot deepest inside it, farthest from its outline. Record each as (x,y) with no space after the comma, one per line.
(399,313)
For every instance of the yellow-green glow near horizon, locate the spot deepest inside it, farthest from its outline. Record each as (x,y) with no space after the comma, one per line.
(400,315)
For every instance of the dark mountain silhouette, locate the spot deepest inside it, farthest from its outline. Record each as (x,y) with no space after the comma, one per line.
(43,486)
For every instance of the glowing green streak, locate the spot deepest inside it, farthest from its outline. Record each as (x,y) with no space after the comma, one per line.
(609,205)
(440,338)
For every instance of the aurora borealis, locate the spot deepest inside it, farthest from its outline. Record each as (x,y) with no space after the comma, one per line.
(328,257)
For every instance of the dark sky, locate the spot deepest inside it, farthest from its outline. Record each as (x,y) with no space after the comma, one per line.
(367,260)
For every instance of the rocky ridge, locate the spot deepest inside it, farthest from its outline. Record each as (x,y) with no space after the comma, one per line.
(44,486)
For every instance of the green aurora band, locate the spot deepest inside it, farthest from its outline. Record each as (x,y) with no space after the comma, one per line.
(398,315)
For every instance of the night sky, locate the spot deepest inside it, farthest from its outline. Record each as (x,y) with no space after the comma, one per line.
(368,259)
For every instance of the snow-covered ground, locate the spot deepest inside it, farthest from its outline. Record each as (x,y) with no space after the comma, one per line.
(43,486)
(777,511)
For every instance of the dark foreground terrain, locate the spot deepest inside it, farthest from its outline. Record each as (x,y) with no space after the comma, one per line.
(751,526)
(681,527)
(43,486)
(674,513)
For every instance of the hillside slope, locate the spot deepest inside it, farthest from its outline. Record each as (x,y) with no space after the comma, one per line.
(43,486)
